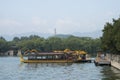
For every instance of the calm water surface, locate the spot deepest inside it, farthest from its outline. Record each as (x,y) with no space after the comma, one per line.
(12,69)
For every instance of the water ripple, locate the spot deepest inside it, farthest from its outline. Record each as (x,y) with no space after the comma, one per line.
(12,69)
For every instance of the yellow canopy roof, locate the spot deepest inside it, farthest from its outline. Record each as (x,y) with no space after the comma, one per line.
(82,52)
(67,50)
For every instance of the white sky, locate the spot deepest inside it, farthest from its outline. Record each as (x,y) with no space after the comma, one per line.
(67,16)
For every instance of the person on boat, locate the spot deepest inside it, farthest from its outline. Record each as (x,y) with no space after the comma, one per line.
(102,56)
(83,56)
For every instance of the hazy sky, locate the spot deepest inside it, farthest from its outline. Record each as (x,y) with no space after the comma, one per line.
(67,16)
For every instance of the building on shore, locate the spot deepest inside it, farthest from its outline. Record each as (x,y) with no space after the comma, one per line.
(13,51)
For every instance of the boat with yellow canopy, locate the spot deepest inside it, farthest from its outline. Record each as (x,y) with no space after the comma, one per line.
(66,56)
(53,57)
(82,56)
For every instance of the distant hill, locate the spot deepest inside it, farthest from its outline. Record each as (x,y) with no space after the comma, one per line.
(63,35)
(10,37)
(95,34)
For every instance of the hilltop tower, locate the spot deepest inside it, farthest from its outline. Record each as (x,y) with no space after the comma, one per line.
(55,31)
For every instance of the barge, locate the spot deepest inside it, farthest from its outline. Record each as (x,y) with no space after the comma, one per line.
(54,57)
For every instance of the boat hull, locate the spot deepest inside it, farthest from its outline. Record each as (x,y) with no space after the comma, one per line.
(79,61)
(46,61)
(102,62)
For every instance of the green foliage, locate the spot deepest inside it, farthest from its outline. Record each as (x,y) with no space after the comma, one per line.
(54,43)
(3,45)
(111,37)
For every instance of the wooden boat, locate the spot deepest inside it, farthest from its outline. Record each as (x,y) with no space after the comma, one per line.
(46,58)
(54,57)
(101,59)
(99,62)
(82,56)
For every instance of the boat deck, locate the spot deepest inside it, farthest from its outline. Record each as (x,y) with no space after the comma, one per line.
(99,61)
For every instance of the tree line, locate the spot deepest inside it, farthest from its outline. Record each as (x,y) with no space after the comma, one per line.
(111,37)
(109,42)
(41,44)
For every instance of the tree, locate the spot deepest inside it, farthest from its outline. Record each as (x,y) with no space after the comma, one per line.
(52,43)
(111,37)
(16,39)
(3,45)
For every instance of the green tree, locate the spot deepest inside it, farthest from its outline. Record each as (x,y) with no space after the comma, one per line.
(111,37)
(3,45)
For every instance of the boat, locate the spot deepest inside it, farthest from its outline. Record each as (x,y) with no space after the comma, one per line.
(101,59)
(82,56)
(66,56)
(35,57)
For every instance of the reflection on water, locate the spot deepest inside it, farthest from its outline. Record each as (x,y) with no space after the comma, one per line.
(38,65)
(110,73)
(12,69)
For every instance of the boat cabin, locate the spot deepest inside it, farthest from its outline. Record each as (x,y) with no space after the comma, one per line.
(34,56)
(47,56)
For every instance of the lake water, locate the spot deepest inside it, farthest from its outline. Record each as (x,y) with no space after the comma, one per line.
(12,69)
